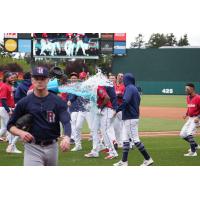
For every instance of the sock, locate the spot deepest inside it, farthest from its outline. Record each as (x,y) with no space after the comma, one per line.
(192,142)
(126,147)
(142,150)
(14,140)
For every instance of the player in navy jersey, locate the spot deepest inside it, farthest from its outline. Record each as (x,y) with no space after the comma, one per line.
(47,109)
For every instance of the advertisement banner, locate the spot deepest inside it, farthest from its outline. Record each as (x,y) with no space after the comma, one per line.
(24,35)
(10,45)
(119,48)
(10,35)
(24,46)
(107,36)
(106,47)
(119,36)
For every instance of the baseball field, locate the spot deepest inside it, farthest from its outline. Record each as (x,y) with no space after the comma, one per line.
(161,121)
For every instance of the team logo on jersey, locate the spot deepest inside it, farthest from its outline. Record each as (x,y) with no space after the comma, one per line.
(50,116)
(40,70)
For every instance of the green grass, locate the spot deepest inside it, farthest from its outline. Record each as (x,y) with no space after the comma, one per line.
(153,124)
(156,124)
(164,100)
(165,151)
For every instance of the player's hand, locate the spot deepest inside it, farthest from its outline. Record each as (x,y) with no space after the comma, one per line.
(185,116)
(26,136)
(65,144)
(196,120)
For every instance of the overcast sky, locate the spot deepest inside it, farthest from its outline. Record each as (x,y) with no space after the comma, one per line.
(130,16)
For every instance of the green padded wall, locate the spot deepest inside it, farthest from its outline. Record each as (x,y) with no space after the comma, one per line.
(158,69)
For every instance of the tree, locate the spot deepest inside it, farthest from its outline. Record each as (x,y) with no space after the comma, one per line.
(139,42)
(183,41)
(171,40)
(157,40)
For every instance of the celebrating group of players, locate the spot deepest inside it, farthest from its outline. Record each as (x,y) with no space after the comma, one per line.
(113,125)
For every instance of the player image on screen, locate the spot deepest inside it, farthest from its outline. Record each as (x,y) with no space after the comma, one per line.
(69,45)
(79,43)
(66,44)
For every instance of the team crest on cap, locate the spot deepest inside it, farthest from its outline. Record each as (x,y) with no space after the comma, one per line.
(40,70)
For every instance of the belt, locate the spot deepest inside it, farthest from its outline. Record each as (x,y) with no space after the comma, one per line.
(44,143)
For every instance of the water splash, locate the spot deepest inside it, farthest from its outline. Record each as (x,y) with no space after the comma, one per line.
(88,88)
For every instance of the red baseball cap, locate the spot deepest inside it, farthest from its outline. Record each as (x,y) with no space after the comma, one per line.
(82,75)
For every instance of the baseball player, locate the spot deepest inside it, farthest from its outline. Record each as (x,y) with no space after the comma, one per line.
(102,121)
(72,103)
(113,99)
(20,92)
(69,45)
(47,109)
(83,114)
(79,43)
(119,90)
(6,105)
(193,121)
(130,117)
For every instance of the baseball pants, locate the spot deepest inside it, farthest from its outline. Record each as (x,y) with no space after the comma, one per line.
(69,48)
(79,45)
(117,125)
(103,121)
(4,121)
(81,117)
(36,155)
(130,130)
(74,116)
(189,128)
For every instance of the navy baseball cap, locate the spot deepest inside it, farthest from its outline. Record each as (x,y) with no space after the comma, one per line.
(40,71)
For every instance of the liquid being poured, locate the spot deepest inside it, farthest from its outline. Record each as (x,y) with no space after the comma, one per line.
(88,88)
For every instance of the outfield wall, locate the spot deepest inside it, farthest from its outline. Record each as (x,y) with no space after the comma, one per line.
(161,71)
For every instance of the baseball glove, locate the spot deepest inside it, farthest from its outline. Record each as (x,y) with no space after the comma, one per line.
(25,122)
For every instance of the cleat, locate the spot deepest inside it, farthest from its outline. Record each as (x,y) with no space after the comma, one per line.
(9,148)
(121,163)
(17,151)
(77,148)
(147,162)
(91,155)
(191,154)
(12,149)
